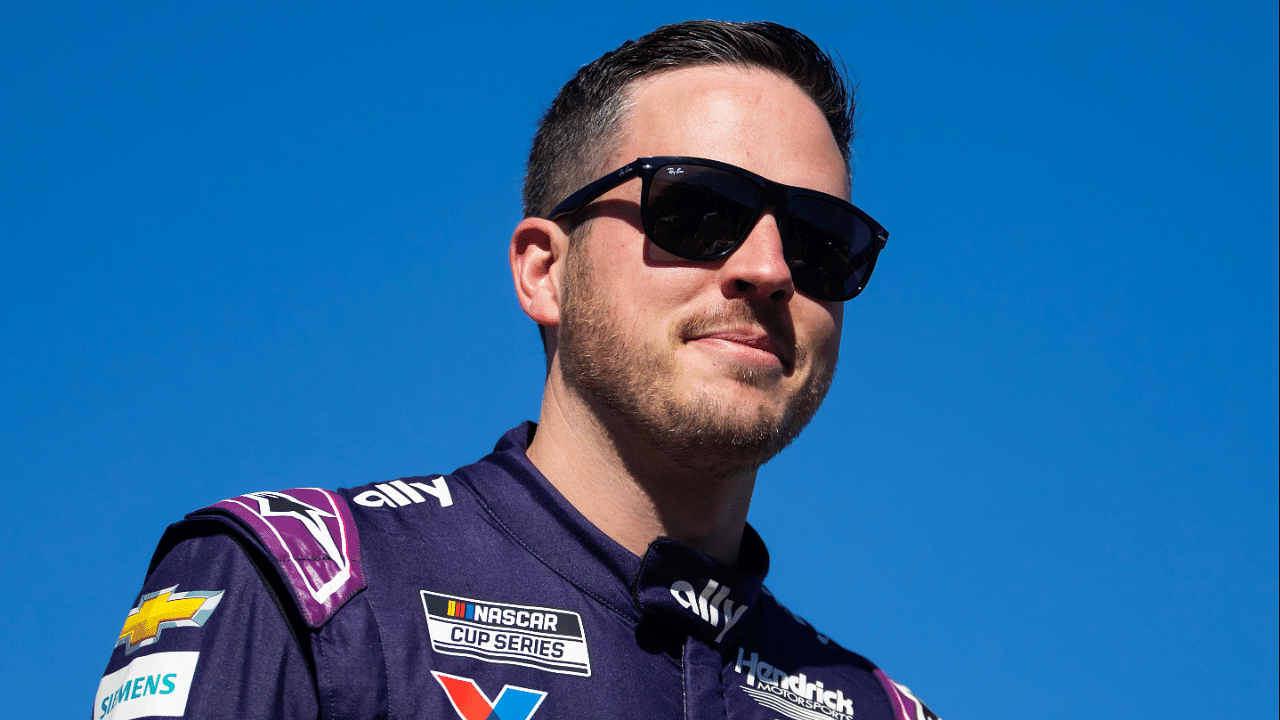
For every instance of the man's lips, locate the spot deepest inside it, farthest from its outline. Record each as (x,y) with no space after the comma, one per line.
(748,337)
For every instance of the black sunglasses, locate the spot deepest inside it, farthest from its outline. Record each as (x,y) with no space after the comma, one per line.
(699,209)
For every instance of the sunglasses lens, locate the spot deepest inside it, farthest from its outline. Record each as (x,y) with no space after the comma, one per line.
(828,248)
(699,213)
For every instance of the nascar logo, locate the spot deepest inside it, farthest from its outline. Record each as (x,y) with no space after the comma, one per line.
(544,638)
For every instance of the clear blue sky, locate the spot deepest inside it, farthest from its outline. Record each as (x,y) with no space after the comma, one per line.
(249,248)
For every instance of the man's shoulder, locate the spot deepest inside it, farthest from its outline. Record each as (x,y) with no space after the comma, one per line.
(315,540)
(796,646)
(307,535)
(790,633)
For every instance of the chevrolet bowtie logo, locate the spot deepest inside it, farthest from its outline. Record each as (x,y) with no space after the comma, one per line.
(165,609)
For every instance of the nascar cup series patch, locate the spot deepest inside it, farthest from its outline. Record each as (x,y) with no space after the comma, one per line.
(544,638)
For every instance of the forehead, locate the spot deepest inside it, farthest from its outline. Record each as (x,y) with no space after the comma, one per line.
(750,117)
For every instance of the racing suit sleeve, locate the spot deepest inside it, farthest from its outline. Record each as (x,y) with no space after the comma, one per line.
(208,637)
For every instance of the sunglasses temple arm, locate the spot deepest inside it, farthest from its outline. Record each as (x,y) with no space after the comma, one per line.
(590,192)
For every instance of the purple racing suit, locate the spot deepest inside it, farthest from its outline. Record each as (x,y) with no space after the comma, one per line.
(480,595)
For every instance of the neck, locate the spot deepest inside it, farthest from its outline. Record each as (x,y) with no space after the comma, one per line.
(630,489)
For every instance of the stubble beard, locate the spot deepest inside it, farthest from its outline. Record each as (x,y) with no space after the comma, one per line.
(632,380)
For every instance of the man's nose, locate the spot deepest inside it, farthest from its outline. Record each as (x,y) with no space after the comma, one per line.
(757,267)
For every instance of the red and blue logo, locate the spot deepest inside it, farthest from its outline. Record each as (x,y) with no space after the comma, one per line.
(470,702)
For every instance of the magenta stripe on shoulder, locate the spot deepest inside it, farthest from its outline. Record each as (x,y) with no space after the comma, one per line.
(312,537)
(906,706)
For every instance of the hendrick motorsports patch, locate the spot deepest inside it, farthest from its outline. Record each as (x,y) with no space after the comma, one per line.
(538,637)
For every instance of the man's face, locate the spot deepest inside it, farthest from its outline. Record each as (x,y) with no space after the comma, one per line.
(718,364)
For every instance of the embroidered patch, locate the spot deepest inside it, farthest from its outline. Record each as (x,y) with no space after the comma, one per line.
(152,685)
(166,609)
(406,491)
(538,637)
(796,696)
(470,702)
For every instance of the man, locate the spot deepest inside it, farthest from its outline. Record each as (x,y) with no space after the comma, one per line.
(687,249)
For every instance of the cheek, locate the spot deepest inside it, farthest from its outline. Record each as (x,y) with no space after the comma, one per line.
(660,296)
(829,326)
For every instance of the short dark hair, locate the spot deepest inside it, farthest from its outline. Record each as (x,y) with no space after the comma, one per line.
(584,120)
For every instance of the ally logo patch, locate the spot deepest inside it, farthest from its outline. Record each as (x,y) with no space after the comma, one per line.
(543,638)
(165,609)
(470,702)
(707,606)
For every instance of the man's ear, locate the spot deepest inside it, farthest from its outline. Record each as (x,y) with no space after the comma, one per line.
(537,255)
